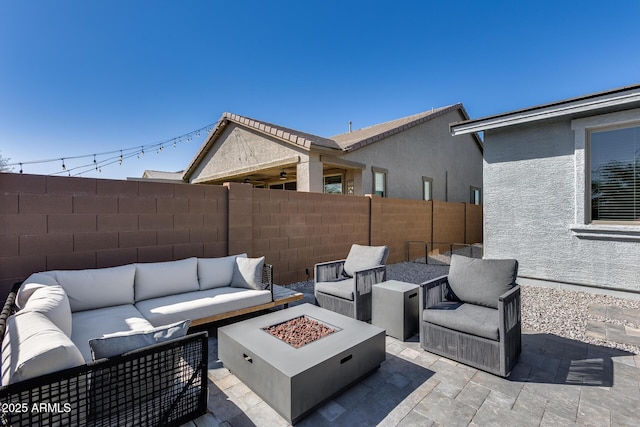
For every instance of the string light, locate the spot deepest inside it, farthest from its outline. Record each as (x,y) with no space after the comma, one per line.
(99,160)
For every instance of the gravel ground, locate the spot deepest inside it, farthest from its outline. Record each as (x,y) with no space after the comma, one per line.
(560,312)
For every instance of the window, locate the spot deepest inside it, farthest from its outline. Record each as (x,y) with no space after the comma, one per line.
(291,185)
(475,197)
(614,169)
(333,184)
(606,152)
(427,188)
(379,181)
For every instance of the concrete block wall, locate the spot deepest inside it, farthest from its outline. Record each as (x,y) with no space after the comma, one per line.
(394,222)
(296,230)
(52,222)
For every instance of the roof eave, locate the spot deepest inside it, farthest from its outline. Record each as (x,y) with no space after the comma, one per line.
(548,111)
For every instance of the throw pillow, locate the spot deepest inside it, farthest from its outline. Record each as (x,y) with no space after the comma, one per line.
(247,273)
(125,342)
(364,257)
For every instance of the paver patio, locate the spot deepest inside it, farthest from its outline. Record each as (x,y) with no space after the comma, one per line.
(557,381)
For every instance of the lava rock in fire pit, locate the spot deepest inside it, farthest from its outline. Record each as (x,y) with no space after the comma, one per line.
(300,331)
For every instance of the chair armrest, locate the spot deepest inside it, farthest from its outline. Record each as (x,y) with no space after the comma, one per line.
(326,271)
(365,279)
(433,292)
(8,309)
(509,309)
(267,278)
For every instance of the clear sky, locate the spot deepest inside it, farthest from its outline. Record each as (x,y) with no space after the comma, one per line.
(82,77)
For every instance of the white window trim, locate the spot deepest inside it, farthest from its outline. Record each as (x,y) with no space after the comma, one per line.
(430,181)
(582,228)
(342,181)
(374,170)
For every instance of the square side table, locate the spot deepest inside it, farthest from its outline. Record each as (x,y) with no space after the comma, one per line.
(395,308)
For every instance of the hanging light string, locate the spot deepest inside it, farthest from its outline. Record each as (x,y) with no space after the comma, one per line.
(116,156)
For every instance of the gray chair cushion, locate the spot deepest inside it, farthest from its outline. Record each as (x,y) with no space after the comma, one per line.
(343,288)
(481,281)
(364,257)
(468,318)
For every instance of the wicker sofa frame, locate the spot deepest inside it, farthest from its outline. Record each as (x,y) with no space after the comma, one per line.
(160,385)
(360,307)
(496,357)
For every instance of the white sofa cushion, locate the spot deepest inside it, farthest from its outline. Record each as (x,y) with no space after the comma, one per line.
(52,301)
(33,282)
(247,273)
(200,304)
(103,322)
(125,342)
(157,279)
(97,288)
(34,346)
(216,272)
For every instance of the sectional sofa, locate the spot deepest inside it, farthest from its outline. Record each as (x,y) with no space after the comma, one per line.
(109,346)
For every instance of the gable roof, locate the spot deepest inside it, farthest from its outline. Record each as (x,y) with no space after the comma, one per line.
(610,100)
(350,141)
(345,142)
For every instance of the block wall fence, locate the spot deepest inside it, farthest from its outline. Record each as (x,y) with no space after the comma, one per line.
(54,223)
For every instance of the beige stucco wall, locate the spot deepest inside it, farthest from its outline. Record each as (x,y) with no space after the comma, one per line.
(239,148)
(424,150)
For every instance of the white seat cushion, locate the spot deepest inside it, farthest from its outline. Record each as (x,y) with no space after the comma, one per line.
(104,322)
(216,272)
(97,288)
(34,346)
(52,301)
(157,279)
(200,304)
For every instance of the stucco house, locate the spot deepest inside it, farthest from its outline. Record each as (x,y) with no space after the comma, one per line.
(413,157)
(562,189)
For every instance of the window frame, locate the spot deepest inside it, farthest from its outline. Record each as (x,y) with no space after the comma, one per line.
(426,179)
(324,183)
(588,166)
(583,227)
(473,189)
(376,170)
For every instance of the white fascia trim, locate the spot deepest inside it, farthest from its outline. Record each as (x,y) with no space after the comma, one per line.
(545,113)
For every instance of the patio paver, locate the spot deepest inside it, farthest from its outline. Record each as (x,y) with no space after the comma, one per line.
(557,381)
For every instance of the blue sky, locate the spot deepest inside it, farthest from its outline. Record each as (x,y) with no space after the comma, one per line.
(83,77)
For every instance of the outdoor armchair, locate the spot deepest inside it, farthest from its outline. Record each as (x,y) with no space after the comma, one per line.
(344,286)
(473,314)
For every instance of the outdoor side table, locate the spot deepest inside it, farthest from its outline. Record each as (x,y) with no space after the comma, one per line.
(395,308)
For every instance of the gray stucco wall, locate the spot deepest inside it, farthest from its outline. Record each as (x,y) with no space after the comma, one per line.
(529,210)
(424,150)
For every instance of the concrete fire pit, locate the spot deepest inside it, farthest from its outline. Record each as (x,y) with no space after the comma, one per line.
(294,381)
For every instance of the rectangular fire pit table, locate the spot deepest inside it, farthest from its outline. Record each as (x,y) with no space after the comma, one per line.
(294,381)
